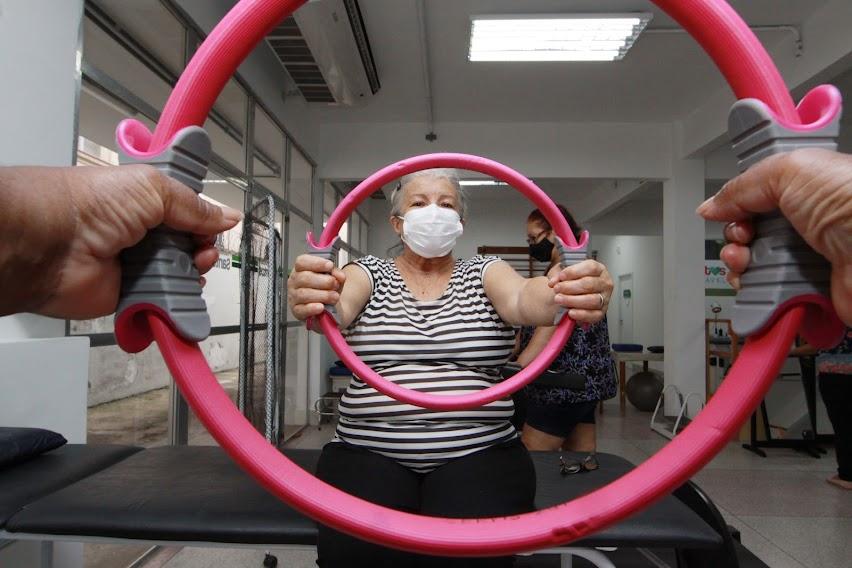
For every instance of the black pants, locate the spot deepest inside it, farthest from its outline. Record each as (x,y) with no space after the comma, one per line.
(495,481)
(836,391)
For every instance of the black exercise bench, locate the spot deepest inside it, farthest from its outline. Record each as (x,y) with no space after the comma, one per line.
(196,496)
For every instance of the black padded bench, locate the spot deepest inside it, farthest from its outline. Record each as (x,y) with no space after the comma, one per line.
(27,482)
(195,496)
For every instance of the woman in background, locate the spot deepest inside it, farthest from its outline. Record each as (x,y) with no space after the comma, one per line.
(559,417)
(835,385)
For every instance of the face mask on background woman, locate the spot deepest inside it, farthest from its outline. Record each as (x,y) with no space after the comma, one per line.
(541,250)
(431,231)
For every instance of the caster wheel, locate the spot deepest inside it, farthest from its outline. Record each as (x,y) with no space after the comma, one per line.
(270,561)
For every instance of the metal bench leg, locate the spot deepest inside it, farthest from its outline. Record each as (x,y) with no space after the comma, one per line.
(599,559)
(47,554)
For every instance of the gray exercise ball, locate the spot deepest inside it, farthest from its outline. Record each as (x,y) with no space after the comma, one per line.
(643,390)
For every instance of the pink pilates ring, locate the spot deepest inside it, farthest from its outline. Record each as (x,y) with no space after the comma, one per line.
(460,161)
(751,74)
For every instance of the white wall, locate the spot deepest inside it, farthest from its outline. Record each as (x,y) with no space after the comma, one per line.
(546,150)
(38,105)
(39,63)
(642,217)
(641,256)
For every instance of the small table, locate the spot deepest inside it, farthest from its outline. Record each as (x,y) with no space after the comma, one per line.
(624,357)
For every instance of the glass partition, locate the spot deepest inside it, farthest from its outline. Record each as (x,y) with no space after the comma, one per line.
(296,381)
(364,245)
(297,245)
(153,27)
(269,144)
(108,56)
(329,200)
(301,177)
(355,231)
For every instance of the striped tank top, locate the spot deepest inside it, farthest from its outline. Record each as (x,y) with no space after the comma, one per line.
(453,345)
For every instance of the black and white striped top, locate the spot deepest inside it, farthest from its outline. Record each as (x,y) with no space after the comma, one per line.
(454,345)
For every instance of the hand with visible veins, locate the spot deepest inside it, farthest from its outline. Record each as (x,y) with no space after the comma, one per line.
(813,189)
(63,230)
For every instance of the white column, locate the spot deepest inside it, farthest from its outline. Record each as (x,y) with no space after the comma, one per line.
(40,55)
(683,283)
(40,64)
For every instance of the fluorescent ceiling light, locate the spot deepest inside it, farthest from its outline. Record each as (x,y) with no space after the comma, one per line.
(481,183)
(575,37)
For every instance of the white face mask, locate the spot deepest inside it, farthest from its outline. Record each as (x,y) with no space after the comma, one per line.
(431,231)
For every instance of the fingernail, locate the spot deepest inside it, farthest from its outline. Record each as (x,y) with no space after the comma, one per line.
(734,231)
(704,206)
(232,214)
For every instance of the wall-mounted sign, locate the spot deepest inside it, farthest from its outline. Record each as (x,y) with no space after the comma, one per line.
(715,271)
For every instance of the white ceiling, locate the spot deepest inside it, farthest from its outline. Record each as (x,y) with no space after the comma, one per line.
(662,78)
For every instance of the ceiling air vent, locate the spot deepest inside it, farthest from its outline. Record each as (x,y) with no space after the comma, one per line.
(290,47)
(325,49)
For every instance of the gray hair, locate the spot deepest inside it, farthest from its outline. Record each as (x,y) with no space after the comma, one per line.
(448,174)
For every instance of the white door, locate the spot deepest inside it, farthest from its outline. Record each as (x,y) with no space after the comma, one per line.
(625,308)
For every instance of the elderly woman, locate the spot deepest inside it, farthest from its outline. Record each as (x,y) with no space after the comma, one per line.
(439,325)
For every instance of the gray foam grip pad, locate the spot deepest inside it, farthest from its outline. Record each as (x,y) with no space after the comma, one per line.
(568,257)
(782,265)
(329,253)
(160,270)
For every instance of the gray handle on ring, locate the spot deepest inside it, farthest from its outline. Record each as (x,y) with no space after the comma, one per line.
(328,253)
(782,266)
(569,257)
(159,270)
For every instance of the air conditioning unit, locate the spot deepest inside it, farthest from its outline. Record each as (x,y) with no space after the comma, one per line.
(335,34)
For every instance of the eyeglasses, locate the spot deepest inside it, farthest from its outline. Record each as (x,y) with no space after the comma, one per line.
(589,463)
(535,239)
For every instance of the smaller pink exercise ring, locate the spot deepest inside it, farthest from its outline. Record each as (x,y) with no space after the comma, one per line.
(460,161)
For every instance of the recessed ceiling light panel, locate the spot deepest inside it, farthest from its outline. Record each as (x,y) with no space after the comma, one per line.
(481,183)
(563,37)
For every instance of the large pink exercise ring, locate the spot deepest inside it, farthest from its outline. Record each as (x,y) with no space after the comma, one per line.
(467,162)
(751,74)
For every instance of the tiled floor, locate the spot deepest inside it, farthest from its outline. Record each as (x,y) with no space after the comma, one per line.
(787,514)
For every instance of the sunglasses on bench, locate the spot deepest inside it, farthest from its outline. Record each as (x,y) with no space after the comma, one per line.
(589,463)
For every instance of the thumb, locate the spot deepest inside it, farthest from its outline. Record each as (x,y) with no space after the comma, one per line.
(754,191)
(184,210)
